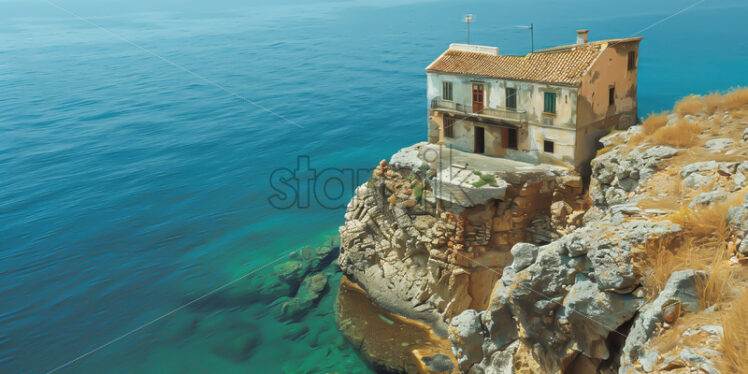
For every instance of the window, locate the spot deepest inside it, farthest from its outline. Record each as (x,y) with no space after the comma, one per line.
(511,98)
(612,96)
(449,123)
(549,105)
(447,91)
(548,146)
(632,60)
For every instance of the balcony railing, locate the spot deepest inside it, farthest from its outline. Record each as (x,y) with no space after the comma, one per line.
(519,116)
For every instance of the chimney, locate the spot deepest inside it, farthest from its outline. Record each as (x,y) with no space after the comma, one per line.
(582,36)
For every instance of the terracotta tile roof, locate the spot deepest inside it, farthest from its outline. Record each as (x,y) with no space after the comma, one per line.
(563,65)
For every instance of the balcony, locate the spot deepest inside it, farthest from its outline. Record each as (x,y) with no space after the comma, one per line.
(516,118)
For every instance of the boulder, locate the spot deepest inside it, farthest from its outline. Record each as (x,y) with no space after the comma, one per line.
(593,314)
(680,288)
(291,272)
(466,335)
(524,255)
(707,198)
(311,290)
(718,144)
(699,167)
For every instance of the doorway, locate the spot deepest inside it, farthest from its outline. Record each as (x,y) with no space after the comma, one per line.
(509,137)
(480,139)
(478,97)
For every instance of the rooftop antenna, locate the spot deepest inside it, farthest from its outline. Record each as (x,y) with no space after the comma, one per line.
(468,19)
(532,35)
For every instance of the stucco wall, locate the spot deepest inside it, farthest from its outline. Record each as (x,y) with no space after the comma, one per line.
(530,96)
(594,114)
(610,69)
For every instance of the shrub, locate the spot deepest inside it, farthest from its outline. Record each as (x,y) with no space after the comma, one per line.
(712,102)
(736,98)
(418,192)
(424,166)
(479,183)
(734,344)
(683,133)
(692,104)
(477,172)
(653,123)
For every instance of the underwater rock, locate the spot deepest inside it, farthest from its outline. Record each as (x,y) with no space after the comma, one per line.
(310,291)
(236,347)
(294,331)
(291,272)
(181,326)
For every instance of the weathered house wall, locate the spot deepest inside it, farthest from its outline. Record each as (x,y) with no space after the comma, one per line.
(595,117)
(556,127)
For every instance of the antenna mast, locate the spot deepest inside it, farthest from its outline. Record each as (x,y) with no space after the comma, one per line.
(532,35)
(468,19)
(532,38)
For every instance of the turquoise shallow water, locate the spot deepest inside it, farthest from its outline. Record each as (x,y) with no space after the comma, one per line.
(128,186)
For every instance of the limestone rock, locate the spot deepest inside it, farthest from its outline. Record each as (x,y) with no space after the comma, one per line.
(718,144)
(614,174)
(681,288)
(593,314)
(524,255)
(466,334)
(707,198)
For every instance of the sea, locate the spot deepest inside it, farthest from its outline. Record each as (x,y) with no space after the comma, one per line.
(153,152)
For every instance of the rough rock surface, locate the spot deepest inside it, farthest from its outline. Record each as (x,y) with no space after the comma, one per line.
(616,174)
(425,258)
(532,278)
(680,290)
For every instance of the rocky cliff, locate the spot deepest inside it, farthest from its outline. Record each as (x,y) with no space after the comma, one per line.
(527,270)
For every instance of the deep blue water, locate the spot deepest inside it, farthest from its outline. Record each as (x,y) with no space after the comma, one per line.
(128,185)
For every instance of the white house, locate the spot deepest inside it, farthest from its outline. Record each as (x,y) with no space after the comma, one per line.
(551,105)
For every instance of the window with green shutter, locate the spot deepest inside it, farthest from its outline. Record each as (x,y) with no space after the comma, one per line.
(447,90)
(511,98)
(550,103)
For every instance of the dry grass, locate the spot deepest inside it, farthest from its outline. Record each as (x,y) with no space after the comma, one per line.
(734,345)
(708,222)
(683,133)
(673,338)
(717,287)
(712,102)
(653,123)
(702,245)
(736,98)
(669,183)
(690,105)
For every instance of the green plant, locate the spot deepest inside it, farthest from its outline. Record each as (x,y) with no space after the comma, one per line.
(424,166)
(418,192)
(479,183)
(490,179)
(477,172)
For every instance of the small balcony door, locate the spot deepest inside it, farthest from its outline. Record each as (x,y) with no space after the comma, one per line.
(478,97)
